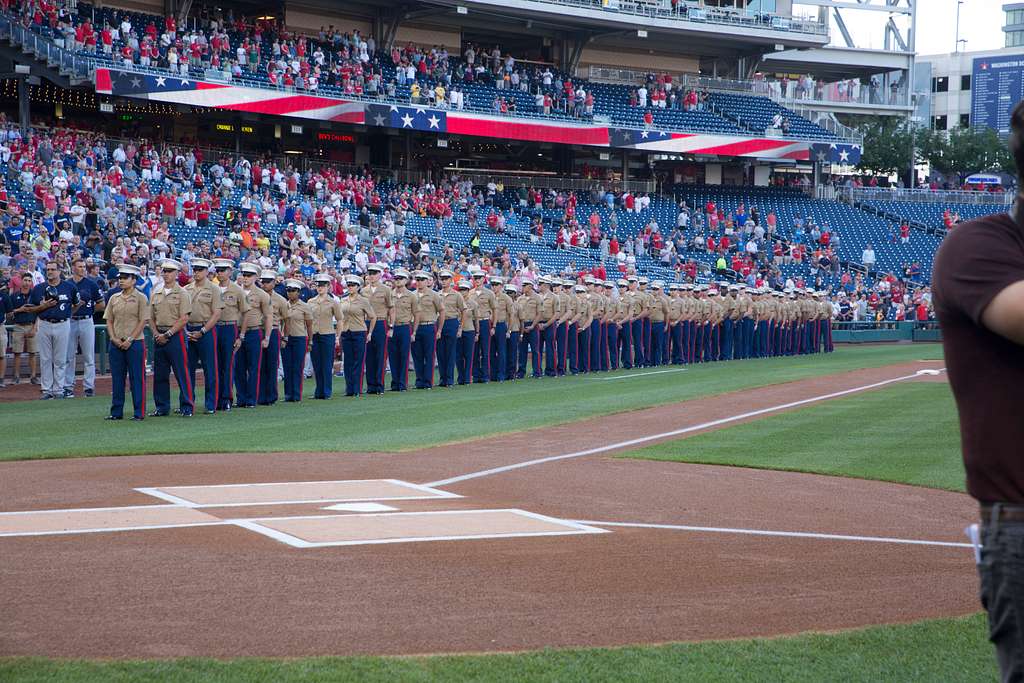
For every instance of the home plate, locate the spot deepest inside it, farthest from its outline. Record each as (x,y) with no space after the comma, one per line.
(322,531)
(360,507)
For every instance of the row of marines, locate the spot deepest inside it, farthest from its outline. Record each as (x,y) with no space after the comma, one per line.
(480,329)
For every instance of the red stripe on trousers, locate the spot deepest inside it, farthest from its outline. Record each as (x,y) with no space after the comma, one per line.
(216,373)
(384,362)
(143,378)
(188,379)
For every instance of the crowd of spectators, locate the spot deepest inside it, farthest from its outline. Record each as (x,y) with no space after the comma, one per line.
(72,193)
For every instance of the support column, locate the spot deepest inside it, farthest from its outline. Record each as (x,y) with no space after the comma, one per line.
(24,112)
(625,167)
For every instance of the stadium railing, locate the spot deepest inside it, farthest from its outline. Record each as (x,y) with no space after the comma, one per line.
(691,13)
(871,332)
(859,194)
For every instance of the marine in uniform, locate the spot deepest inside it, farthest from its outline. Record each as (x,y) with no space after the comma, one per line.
(227,339)
(613,322)
(297,331)
(359,317)
(581,315)
(598,310)
(447,343)
(676,324)
(126,315)
(327,314)
(381,298)
(511,367)
(499,338)
(658,316)
(257,322)
(648,302)
(529,316)
(169,312)
(561,300)
(403,307)
(548,324)
(486,304)
(201,331)
(467,337)
(426,329)
(272,352)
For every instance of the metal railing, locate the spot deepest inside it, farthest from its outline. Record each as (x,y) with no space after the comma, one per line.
(553,182)
(821,120)
(695,14)
(65,61)
(926,196)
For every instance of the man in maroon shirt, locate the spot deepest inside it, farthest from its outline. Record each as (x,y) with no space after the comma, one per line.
(979,299)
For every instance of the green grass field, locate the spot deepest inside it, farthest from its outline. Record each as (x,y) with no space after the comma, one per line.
(904,433)
(947,650)
(58,429)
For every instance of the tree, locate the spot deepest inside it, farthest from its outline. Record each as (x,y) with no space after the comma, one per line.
(965,151)
(887,145)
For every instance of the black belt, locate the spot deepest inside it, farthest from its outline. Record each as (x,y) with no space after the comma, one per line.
(81,317)
(1007,513)
(228,322)
(53,322)
(196,326)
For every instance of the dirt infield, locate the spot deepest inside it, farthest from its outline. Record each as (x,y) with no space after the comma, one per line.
(224,589)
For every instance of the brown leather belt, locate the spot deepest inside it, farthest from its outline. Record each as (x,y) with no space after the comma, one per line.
(1007,513)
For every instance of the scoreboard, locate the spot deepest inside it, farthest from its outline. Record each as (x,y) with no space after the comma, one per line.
(997,85)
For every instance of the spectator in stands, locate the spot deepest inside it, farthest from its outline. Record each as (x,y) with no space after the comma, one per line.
(867,257)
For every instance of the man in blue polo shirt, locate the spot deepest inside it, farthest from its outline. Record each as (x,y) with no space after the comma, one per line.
(82,334)
(23,337)
(5,308)
(55,301)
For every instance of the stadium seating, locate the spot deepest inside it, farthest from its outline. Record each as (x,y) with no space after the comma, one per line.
(729,113)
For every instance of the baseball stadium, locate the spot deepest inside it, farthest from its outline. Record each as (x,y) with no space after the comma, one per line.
(533,340)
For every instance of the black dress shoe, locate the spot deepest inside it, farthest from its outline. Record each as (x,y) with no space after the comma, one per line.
(155,413)
(211,412)
(186,414)
(113,417)
(137,419)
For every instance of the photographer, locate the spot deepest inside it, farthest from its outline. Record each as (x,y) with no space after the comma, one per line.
(979,299)
(55,300)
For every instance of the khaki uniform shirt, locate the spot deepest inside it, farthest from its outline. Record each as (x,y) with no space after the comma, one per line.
(529,308)
(168,305)
(429,307)
(486,302)
(381,298)
(358,311)
(206,300)
(454,305)
(279,308)
(659,309)
(512,311)
(296,313)
(547,309)
(325,309)
(503,308)
(235,303)
(469,315)
(404,303)
(124,311)
(586,307)
(259,308)
(599,306)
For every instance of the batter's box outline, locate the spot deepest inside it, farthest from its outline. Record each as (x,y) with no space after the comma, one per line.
(571,528)
(416,492)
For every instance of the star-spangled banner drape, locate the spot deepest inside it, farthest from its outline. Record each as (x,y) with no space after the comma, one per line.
(231,97)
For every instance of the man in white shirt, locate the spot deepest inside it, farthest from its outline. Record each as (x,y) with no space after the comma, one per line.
(868,256)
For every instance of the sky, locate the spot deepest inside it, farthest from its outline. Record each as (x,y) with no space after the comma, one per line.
(981,23)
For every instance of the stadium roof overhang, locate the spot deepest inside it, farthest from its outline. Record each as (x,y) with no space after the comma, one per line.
(834,63)
(542,18)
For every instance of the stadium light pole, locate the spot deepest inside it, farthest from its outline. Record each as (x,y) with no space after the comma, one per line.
(956,45)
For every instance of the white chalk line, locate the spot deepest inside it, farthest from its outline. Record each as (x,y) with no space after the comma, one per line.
(765,532)
(641,374)
(675,432)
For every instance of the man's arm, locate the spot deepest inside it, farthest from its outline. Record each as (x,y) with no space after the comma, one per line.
(1005,313)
